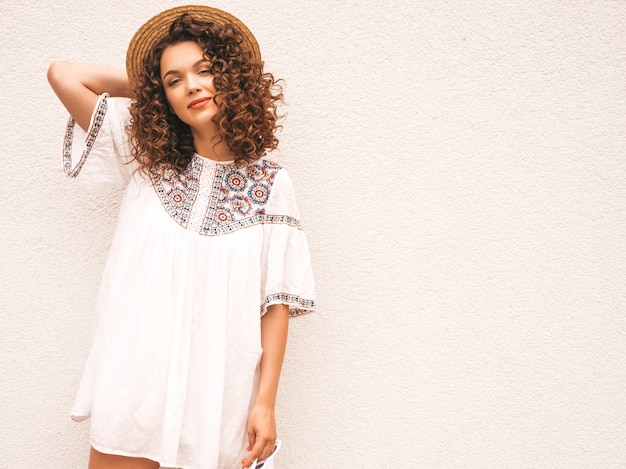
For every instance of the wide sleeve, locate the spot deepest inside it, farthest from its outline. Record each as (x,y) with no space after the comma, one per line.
(286,273)
(100,157)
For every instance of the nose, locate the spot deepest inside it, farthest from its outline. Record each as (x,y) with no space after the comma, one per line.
(192,84)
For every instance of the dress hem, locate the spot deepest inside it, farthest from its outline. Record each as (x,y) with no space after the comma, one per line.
(128,454)
(151,457)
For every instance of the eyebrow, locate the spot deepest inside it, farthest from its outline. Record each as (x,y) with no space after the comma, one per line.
(173,72)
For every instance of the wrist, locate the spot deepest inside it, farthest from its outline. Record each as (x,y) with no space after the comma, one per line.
(266,402)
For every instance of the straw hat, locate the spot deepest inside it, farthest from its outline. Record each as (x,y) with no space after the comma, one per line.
(158,27)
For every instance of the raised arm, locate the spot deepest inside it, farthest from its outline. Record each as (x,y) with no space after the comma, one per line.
(78,85)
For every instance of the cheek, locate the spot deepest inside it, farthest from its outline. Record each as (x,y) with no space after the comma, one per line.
(173,100)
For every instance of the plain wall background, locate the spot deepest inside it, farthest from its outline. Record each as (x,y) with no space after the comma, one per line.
(460,170)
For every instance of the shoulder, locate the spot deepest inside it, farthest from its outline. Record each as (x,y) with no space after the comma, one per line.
(119,108)
(262,172)
(262,169)
(280,194)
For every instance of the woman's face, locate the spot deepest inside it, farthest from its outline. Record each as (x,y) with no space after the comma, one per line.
(188,84)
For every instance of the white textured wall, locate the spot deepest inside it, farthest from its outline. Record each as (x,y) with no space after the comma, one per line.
(460,169)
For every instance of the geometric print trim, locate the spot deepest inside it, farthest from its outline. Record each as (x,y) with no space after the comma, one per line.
(237,198)
(101,109)
(304,305)
(178,191)
(261,219)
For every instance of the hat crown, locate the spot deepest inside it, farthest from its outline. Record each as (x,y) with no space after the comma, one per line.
(157,28)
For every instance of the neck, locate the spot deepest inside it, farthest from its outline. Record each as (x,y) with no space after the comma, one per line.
(204,143)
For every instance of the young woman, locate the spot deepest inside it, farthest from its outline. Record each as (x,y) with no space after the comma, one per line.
(208,260)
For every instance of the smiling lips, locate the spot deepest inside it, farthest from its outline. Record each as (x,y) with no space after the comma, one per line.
(198,103)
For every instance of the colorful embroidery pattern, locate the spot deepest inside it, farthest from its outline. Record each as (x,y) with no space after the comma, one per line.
(101,110)
(239,197)
(303,305)
(236,200)
(178,191)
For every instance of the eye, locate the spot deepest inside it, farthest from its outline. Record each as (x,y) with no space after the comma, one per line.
(204,71)
(173,81)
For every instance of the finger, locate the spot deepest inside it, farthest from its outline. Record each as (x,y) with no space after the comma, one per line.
(268,449)
(257,449)
(246,462)
(251,438)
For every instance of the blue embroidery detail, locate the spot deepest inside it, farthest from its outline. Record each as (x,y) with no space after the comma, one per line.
(237,198)
(178,191)
(302,305)
(98,120)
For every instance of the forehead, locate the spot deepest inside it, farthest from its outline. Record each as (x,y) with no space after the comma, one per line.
(181,55)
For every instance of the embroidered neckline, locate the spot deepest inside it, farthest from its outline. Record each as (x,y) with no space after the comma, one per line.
(178,191)
(214,198)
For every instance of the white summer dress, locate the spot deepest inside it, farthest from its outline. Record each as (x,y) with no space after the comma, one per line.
(196,259)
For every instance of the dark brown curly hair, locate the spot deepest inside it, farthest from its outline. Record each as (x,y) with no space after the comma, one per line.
(248,97)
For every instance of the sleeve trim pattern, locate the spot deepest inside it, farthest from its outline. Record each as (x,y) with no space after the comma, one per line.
(94,127)
(297,305)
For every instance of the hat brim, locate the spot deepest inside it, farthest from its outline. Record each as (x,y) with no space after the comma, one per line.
(157,28)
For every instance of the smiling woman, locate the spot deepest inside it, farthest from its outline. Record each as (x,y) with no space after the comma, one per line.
(244,95)
(208,261)
(188,83)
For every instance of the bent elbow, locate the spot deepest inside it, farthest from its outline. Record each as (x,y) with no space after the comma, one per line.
(56,71)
